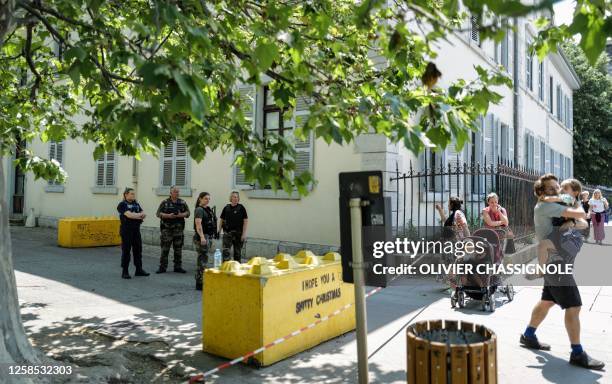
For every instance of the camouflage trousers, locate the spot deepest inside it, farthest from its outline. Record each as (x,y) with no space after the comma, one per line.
(232,239)
(202,251)
(171,237)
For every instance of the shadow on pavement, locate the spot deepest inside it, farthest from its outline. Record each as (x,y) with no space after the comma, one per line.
(554,370)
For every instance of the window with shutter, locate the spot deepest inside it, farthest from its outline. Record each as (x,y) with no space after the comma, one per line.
(105,170)
(541,80)
(278,122)
(248,105)
(56,152)
(536,154)
(504,50)
(528,67)
(174,165)
(559,102)
(551,96)
(571,114)
(542,157)
(489,140)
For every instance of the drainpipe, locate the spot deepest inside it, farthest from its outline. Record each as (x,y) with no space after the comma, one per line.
(515,87)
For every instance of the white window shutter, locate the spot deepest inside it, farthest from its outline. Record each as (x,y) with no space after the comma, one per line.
(511,143)
(497,141)
(100,171)
(454,160)
(110,169)
(59,152)
(180,164)
(571,114)
(304,148)
(536,154)
(488,138)
(248,105)
(167,164)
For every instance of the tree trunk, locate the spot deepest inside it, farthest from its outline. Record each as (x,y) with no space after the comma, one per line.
(15,347)
(7,18)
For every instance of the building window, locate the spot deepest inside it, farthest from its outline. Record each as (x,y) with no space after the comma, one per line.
(529,151)
(475,29)
(542,157)
(529,68)
(505,50)
(105,170)
(551,96)
(56,152)
(175,165)
(269,122)
(541,80)
(559,102)
(275,121)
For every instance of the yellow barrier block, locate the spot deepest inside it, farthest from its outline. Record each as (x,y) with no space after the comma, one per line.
(251,305)
(79,232)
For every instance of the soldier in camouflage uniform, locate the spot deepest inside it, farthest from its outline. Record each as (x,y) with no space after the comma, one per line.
(172,213)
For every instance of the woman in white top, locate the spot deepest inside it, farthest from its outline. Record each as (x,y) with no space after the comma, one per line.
(597,206)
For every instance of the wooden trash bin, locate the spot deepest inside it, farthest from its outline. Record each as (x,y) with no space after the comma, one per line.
(449,351)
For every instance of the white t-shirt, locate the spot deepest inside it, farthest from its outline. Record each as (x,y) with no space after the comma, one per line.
(597,205)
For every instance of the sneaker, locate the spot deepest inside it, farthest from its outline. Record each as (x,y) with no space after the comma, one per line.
(585,361)
(179,270)
(142,272)
(533,343)
(125,275)
(198,286)
(161,270)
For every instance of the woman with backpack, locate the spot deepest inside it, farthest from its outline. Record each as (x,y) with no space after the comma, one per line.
(455,225)
(205,226)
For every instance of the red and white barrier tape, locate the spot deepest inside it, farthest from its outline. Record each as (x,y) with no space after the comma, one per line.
(199,378)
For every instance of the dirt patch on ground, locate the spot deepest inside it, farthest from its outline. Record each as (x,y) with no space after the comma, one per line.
(97,358)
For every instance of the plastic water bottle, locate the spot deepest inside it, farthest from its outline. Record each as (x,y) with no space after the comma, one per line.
(217,258)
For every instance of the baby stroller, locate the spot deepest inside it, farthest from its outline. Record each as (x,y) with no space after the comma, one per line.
(478,286)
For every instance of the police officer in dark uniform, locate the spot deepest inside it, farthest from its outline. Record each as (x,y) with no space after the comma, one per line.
(233,221)
(205,228)
(172,213)
(131,216)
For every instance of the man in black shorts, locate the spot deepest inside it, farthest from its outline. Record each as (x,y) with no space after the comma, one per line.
(558,289)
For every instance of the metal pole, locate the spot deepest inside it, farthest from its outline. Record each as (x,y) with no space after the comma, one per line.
(359,283)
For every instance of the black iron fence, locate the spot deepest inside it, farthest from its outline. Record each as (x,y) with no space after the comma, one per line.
(417,192)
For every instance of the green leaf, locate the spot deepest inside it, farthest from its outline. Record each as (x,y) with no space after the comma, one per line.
(265,53)
(75,52)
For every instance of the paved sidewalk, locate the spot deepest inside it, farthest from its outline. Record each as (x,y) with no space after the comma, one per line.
(154,324)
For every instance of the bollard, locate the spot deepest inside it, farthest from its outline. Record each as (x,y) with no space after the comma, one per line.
(248,306)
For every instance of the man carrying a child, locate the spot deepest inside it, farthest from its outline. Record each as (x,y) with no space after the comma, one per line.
(559,242)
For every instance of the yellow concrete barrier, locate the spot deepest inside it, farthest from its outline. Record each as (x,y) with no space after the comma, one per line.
(78,232)
(247,306)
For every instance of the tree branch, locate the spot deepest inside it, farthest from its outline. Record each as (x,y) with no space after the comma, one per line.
(31,65)
(108,76)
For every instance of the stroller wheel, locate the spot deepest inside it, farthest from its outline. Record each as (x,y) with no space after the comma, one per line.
(510,292)
(484,302)
(461,299)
